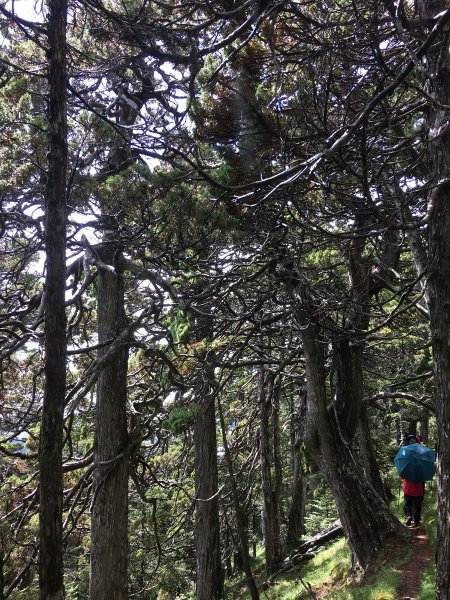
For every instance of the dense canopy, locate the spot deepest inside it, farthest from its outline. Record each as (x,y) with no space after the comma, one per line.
(224,286)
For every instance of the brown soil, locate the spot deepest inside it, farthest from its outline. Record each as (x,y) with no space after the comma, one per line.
(410,572)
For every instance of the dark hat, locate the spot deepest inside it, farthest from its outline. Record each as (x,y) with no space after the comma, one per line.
(412,436)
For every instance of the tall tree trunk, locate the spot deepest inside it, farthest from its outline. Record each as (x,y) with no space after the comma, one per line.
(296,517)
(368,457)
(240,518)
(438,59)
(52,426)
(270,484)
(2,574)
(365,518)
(207,525)
(109,539)
(207,528)
(424,426)
(331,428)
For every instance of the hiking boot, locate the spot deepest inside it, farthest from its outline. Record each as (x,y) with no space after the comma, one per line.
(408,521)
(414,524)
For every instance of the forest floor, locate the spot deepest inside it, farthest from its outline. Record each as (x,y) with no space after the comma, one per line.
(411,572)
(402,570)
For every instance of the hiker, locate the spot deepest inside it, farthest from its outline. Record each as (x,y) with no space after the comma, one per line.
(413,495)
(408,436)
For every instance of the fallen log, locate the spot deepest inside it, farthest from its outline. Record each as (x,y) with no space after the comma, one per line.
(308,549)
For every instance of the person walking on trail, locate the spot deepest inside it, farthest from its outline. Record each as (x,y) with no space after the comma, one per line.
(413,493)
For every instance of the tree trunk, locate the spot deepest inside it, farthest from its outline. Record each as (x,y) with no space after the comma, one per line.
(270,484)
(207,525)
(52,425)
(424,426)
(207,528)
(330,428)
(369,460)
(2,574)
(439,274)
(109,542)
(365,518)
(240,518)
(296,517)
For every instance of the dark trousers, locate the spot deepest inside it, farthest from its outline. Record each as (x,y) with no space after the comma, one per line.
(413,507)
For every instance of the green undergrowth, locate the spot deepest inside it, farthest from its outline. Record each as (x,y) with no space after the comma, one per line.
(328,574)
(429,519)
(295,584)
(429,523)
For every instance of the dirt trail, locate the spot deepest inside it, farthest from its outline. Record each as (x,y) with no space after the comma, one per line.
(411,572)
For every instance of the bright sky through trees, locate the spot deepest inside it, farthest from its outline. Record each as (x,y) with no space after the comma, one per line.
(248,320)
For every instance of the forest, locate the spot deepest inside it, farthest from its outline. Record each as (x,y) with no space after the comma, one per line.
(224,288)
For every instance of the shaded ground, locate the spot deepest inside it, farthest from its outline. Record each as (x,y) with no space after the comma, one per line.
(411,572)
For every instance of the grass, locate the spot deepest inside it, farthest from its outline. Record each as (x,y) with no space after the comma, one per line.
(328,574)
(429,523)
(427,589)
(429,519)
(293,585)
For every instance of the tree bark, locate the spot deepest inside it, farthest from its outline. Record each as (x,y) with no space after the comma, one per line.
(365,518)
(438,66)
(2,574)
(109,538)
(424,426)
(240,519)
(52,425)
(270,483)
(331,427)
(207,527)
(369,460)
(296,517)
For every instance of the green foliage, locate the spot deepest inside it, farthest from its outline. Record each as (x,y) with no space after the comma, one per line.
(321,509)
(27,594)
(294,584)
(276,102)
(128,186)
(174,583)
(329,573)
(430,513)
(77,578)
(181,417)
(179,327)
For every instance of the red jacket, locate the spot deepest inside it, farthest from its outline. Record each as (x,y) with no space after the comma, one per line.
(413,489)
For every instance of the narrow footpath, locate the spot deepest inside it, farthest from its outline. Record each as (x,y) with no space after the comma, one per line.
(411,572)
